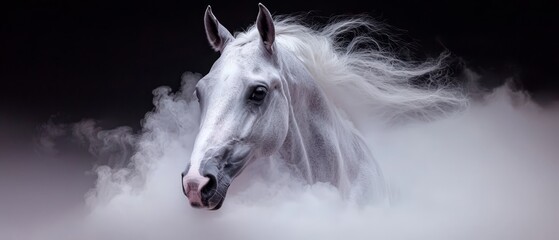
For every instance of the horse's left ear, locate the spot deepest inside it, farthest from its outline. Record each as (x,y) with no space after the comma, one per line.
(265,26)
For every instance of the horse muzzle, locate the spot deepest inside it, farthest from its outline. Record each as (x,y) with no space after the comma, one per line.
(207,186)
(204,191)
(192,187)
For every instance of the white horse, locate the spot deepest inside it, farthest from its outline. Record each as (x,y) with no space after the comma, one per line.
(274,93)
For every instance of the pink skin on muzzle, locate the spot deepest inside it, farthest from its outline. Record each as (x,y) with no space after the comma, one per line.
(193,184)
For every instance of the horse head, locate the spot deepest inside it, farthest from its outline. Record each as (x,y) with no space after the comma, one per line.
(244,111)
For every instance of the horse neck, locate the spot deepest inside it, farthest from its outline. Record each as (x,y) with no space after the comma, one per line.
(320,145)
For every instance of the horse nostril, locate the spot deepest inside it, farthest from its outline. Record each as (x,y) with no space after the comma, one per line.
(209,189)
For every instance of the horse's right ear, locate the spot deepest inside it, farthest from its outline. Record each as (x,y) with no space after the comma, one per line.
(217,34)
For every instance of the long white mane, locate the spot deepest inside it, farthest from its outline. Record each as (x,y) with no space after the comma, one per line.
(361,68)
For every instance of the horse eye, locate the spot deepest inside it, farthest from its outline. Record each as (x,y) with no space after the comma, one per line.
(258,94)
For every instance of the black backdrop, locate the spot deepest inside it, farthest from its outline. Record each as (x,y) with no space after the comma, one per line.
(102,59)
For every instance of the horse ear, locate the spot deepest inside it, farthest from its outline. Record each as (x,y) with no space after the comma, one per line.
(217,34)
(265,26)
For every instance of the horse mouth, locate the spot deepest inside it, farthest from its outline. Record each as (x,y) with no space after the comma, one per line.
(208,207)
(218,205)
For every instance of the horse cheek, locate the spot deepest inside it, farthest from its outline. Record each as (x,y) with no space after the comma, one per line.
(274,131)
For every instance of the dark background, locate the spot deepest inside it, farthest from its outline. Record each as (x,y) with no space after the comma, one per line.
(102,59)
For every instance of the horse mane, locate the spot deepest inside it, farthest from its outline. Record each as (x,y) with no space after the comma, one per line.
(360,67)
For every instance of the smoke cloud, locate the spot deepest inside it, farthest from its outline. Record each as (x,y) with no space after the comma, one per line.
(489,172)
